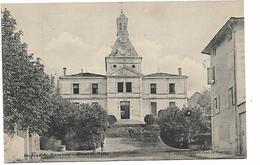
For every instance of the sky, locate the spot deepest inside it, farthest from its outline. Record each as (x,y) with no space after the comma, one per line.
(168,35)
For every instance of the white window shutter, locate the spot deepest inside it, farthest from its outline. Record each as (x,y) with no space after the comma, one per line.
(209,73)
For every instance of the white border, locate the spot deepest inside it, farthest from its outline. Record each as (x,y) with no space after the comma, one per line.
(252,32)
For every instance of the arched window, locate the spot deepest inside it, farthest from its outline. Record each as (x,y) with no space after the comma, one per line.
(120,26)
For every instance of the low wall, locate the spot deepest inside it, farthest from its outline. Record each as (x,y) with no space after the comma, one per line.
(17,147)
(13,147)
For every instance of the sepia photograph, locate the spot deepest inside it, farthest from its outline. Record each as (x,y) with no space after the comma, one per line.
(117,81)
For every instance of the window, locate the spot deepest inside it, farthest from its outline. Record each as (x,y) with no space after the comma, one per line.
(153,88)
(75,88)
(230,97)
(114,66)
(120,26)
(172,88)
(120,87)
(133,66)
(94,88)
(171,104)
(128,86)
(216,105)
(154,108)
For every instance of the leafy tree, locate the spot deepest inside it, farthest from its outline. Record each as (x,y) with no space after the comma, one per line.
(181,127)
(27,91)
(61,118)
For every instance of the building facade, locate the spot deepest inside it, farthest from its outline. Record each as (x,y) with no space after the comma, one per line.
(124,91)
(226,76)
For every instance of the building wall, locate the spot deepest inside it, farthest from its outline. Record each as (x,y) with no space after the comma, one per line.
(225,124)
(240,63)
(85,90)
(163,97)
(224,118)
(140,98)
(240,86)
(114,97)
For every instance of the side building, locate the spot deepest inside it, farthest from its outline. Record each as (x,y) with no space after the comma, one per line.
(226,76)
(124,91)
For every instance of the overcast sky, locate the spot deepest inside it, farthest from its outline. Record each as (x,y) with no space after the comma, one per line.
(168,35)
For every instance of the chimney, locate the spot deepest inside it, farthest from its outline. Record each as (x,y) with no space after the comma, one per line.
(180,71)
(64,71)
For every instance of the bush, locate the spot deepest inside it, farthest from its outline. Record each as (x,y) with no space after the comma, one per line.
(111,119)
(179,129)
(149,119)
(80,128)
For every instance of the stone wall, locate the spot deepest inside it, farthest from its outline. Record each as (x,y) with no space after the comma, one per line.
(14,149)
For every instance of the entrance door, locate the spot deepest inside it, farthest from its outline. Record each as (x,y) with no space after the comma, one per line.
(242,118)
(125,109)
(154,108)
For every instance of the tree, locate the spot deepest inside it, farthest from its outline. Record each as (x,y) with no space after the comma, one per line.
(179,128)
(61,118)
(80,127)
(27,91)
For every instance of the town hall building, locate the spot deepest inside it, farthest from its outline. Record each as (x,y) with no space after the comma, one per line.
(124,91)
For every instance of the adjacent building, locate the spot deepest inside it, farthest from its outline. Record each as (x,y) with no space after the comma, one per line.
(124,91)
(226,76)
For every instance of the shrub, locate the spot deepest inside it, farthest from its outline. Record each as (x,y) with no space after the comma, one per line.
(111,119)
(149,119)
(178,128)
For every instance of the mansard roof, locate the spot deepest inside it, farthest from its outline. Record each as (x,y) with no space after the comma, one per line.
(86,74)
(123,49)
(164,75)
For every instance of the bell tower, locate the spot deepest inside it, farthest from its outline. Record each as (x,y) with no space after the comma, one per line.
(123,53)
(122,22)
